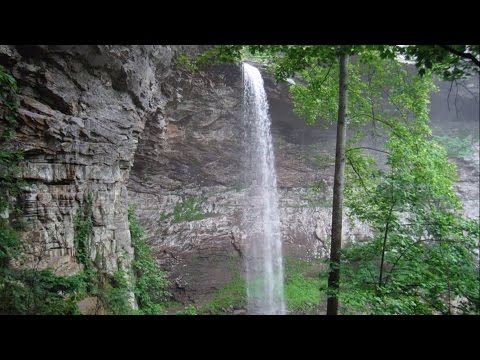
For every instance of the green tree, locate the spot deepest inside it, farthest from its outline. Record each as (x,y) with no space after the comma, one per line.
(421,259)
(338,185)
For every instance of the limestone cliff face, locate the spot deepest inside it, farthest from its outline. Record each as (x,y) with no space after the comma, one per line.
(83,109)
(122,123)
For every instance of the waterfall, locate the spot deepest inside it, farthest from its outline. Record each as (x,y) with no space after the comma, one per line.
(263,258)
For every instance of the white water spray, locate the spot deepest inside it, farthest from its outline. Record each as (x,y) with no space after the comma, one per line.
(264,263)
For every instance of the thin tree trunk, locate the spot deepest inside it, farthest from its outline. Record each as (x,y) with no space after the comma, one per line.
(337,211)
(384,246)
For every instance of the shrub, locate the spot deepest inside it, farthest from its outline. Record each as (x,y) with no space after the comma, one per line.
(150,281)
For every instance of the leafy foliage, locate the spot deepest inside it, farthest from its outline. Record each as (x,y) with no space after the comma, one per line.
(258,57)
(150,281)
(9,104)
(379,90)
(114,294)
(449,61)
(381,94)
(188,209)
(213,56)
(83,226)
(184,62)
(29,291)
(422,258)
(32,291)
(10,245)
(10,183)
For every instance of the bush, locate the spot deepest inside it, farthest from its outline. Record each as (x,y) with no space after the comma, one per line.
(185,210)
(150,281)
(115,294)
(33,292)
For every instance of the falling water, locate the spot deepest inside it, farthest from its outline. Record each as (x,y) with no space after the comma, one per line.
(264,264)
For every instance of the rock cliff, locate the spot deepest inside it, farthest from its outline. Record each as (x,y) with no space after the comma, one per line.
(83,109)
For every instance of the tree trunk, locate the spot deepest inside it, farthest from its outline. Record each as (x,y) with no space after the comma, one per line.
(337,211)
(384,245)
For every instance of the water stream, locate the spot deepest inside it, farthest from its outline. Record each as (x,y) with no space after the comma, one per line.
(264,263)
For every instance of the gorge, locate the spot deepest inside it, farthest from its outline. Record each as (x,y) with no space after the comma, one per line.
(126,124)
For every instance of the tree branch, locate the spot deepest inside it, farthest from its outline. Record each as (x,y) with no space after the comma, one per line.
(474,96)
(368,148)
(461,54)
(404,117)
(328,72)
(448,97)
(361,180)
(408,247)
